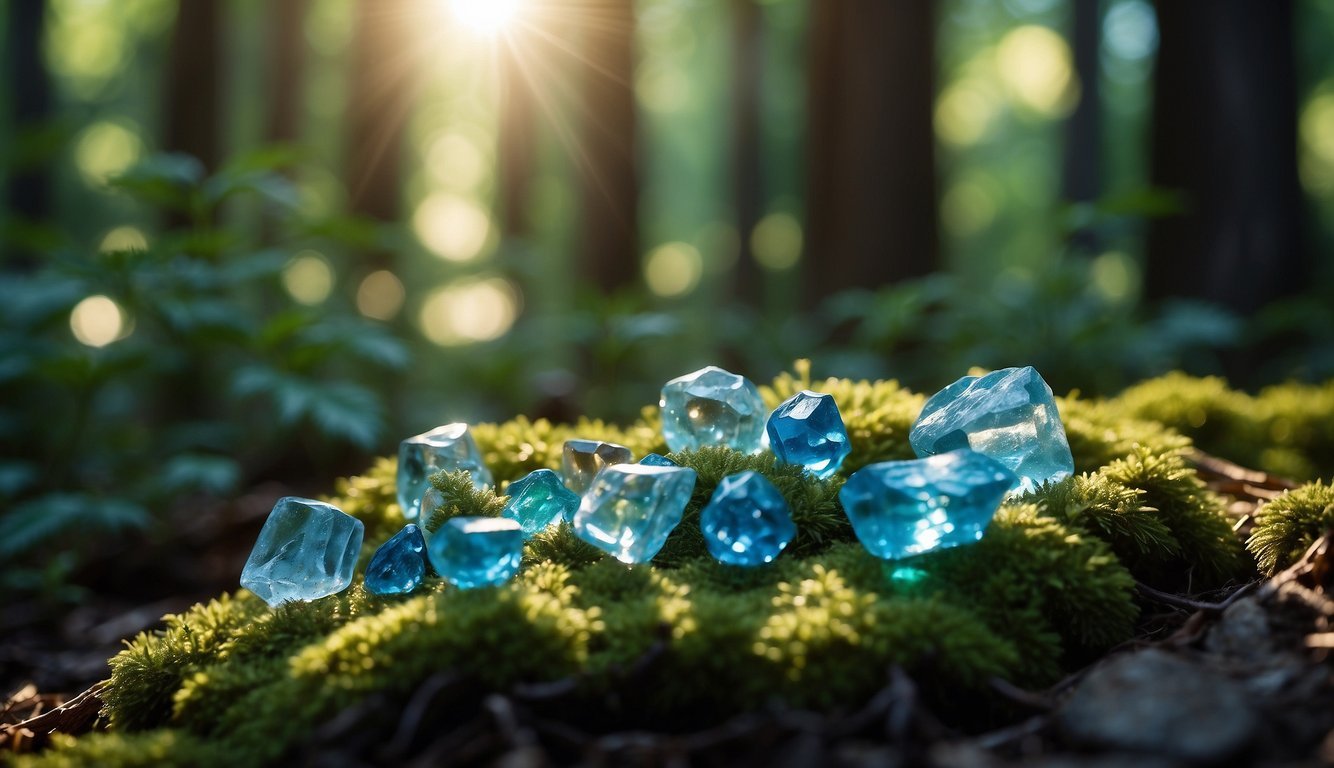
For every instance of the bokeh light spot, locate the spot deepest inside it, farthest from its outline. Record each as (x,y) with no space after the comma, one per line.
(308,277)
(97,321)
(455,162)
(965,113)
(123,239)
(1034,66)
(452,227)
(967,208)
(105,149)
(470,311)
(1130,30)
(673,269)
(1316,129)
(776,241)
(380,295)
(1115,275)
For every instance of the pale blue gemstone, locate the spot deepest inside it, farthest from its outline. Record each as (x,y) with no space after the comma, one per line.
(712,407)
(539,499)
(306,550)
(903,508)
(399,565)
(657,460)
(632,509)
(474,552)
(747,521)
(432,499)
(582,460)
(807,430)
(1009,415)
(449,448)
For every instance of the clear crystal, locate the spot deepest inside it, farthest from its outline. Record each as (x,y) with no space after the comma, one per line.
(657,460)
(632,509)
(306,550)
(582,460)
(807,430)
(747,521)
(449,448)
(472,552)
(712,407)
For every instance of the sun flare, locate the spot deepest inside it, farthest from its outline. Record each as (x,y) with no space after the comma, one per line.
(485,17)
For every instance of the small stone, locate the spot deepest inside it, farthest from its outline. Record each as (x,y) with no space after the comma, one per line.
(747,521)
(306,550)
(807,430)
(399,565)
(712,407)
(474,552)
(904,508)
(448,448)
(582,460)
(657,460)
(539,499)
(1009,415)
(632,509)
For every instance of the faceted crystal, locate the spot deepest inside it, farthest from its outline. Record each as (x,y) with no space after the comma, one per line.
(1009,415)
(582,460)
(448,448)
(399,565)
(808,430)
(712,407)
(746,521)
(657,460)
(903,508)
(632,508)
(539,499)
(306,550)
(477,551)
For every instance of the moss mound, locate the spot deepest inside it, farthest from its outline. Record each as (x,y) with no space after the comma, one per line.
(688,640)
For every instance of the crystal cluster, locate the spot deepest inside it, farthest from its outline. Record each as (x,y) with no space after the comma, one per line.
(632,508)
(582,460)
(712,407)
(448,448)
(471,552)
(399,565)
(747,521)
(807,430)
(539,499)
(904,508)
(1009,415)
(306,550)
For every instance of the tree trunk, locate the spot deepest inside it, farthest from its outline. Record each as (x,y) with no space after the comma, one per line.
(518,137)
(1082,180)
(29,189)
(286,59)
(608,177)
(194,83)
(747,162)
(871,187)
(1224,135)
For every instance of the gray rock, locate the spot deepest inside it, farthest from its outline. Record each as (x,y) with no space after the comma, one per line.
(1242,633)
(1155,703)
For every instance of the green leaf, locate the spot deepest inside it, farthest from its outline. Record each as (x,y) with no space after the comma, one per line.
(168,180)
(339,410)
(77,515)
(195,472)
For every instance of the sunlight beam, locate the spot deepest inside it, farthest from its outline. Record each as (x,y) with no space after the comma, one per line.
(485,17)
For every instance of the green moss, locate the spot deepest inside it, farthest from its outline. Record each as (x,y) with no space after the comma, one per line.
(1287,526)
(688,639)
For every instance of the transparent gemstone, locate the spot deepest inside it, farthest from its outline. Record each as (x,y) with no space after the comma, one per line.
(657,460)
(477,551)
(449,448)
(582,460)
(903,508)
(807,430)
(399,565)
(747,521)
(306,550)
(432,500)
(712,407)
(632,509)
(539,499)
(1009,415)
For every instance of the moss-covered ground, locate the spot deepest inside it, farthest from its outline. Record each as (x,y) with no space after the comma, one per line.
(1050,587)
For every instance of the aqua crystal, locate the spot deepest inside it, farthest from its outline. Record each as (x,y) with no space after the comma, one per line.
(539,499)
(432,499)
(1009,415)
(807,430)
(904,508)
(582,460)
(747,521)
(306,550)
(399,565)
(712,407)
(657,460)
(449,448)
(632,509)
(472,552)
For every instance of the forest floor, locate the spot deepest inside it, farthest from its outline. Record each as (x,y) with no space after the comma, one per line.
(1239,676)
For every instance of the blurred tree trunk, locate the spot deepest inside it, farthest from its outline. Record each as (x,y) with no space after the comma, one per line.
(194,88)
(517,137)
(608,176)
(28,195)
(1224,134)
(871,187)
(286,59)
(1082,182)
(747,162)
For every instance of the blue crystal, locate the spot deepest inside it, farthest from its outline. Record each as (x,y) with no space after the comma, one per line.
(432,499)
(657,460)
(746,521)
(448,448)
(399,565)
(632,508)
(306,550)
(477,551)
(808,430)
(582,460)
(712,407)
(539,499)
(1009,415)
(903,508)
